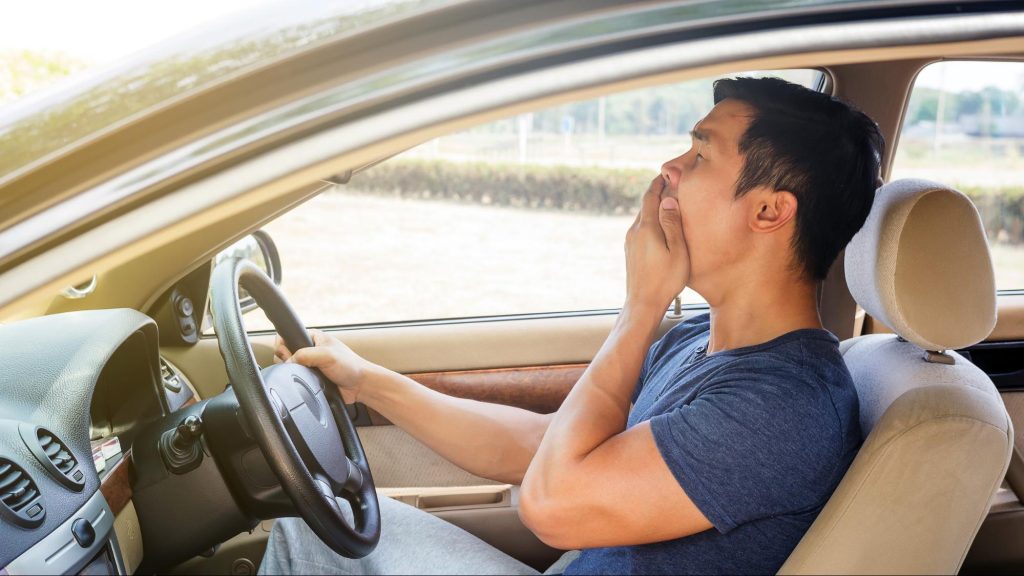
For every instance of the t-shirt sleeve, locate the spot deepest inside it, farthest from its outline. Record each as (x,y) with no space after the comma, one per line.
(749,448)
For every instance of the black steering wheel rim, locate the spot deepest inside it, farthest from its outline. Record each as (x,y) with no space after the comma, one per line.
(298,456)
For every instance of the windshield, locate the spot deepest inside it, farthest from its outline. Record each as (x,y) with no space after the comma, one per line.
(127,80)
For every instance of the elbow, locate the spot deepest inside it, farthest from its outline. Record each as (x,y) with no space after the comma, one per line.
(545,516)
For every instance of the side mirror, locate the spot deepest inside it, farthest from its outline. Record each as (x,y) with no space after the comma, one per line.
(260,249)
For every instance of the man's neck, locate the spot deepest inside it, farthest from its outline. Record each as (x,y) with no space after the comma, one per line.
(754,314)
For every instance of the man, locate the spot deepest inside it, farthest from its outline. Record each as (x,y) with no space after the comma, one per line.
(711,451)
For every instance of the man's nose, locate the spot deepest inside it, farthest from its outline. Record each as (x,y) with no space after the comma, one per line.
(672,174)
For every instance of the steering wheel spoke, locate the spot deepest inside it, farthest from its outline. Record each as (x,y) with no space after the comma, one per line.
(357,480)
(300,422)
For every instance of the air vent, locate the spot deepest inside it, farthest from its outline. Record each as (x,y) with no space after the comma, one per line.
(169,377)
(22,503)
(54,455)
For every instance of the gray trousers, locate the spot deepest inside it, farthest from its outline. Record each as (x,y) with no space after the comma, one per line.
(411,542)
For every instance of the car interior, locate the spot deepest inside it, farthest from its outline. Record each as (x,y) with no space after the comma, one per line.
(936,352)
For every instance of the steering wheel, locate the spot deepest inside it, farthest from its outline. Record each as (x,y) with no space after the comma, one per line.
(297,416)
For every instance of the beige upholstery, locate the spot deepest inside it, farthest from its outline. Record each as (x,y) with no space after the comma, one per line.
(922,250)
(401,461)
(937,436)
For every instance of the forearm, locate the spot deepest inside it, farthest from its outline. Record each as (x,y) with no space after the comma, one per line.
(598,406)
(489,440)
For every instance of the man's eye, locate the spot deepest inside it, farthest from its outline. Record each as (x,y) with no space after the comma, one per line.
(699,156)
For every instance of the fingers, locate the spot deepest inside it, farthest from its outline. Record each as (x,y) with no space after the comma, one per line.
(636,221)
(318,337)
(651,201)
(671,223)
(281,352)
(316,357)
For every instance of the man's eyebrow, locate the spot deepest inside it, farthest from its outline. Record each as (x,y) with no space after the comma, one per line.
(700,135)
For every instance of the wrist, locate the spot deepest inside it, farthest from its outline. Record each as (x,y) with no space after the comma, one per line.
(641,317)
(371,383)
(637,309)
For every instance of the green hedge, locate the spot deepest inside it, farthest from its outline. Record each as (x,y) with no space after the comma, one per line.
(1002,212)
(589,189)
(592,189)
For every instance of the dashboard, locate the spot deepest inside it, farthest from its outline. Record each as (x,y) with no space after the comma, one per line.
(75,389)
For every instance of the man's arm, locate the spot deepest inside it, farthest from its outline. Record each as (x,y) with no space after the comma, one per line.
(489,440)
(592,482)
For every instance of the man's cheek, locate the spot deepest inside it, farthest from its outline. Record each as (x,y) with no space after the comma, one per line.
(684,215)
(689,231)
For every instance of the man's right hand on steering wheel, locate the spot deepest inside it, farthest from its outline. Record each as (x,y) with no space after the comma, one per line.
(346,369)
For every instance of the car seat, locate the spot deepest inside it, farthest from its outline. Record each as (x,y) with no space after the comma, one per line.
(937,437)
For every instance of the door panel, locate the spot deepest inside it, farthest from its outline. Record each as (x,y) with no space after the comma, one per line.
(545,353)
(1002,361)
(398,460)
(1010,325)
(537,388)
(430,348)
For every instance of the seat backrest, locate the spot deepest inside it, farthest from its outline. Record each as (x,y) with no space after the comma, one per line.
(937,436)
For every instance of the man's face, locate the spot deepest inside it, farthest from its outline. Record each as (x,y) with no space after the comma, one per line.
(704,181)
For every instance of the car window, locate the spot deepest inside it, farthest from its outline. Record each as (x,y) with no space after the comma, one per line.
(524,215)
(964,127)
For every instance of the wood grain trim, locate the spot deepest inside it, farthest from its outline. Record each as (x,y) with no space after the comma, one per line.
(116,486)
(536,388)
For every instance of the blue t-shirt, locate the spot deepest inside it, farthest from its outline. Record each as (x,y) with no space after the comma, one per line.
(758,437)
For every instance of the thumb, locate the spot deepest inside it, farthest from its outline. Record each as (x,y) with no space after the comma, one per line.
(671,222)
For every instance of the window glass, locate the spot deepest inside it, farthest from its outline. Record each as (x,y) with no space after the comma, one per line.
(964,127)
(524,215)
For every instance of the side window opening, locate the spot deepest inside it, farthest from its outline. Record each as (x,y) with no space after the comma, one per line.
(964,127)
(524,215)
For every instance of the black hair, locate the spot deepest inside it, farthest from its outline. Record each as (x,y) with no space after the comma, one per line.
(824,151)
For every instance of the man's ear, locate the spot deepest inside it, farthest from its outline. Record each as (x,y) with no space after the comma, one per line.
(773,210)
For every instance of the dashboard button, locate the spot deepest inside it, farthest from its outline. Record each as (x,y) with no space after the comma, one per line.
(83,532)
(185,306)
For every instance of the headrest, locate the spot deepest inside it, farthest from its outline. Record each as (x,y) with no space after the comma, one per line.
(921,266)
